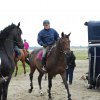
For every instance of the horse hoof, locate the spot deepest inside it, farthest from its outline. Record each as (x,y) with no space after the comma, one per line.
(50,98)
(41,93)
(25,73)
(90,87)
(29,90)
(45,79)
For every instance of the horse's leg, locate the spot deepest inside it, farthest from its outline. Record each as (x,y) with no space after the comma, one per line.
(23,63)
(16,68)
(66,85)
(0,91)
(49,86)
(5,90)
(32,70)
(39,82)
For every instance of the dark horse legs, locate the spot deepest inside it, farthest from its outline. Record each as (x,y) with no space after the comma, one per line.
(49,86)
(31,79)
(0,91)
(4,90)
(31,82)
(16,68)
(39,79)
(66,85)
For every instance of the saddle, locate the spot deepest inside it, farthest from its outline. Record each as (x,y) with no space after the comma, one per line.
(17,53)
(40,53)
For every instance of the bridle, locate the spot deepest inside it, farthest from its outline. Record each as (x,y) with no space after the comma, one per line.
(64,52)
(62,49)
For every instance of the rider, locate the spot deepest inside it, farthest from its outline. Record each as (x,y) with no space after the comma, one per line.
(26,45)
(16,49)
(46,38)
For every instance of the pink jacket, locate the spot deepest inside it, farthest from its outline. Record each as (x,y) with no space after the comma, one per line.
(26,45)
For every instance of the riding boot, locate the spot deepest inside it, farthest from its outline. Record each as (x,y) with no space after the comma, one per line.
(44,64)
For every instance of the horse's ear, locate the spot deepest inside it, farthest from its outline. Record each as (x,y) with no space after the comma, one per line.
(18,24)
(62,34)
(69,34)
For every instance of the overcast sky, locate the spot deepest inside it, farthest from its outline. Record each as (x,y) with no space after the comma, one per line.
(64,15)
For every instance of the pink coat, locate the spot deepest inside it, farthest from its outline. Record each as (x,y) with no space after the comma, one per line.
(26,45)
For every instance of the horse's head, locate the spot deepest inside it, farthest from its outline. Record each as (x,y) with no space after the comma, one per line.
(64,43)
(16,34)
(11,33)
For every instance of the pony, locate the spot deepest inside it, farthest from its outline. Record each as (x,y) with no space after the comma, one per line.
(9,37)
(55,64)
(23,58)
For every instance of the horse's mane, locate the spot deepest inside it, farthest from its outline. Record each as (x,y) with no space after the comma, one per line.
(5,32)
(58,45)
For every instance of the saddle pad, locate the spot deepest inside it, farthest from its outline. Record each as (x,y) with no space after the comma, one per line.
(39,55)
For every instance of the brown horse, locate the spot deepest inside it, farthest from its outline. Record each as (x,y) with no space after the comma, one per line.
(22,58)
(55,64)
